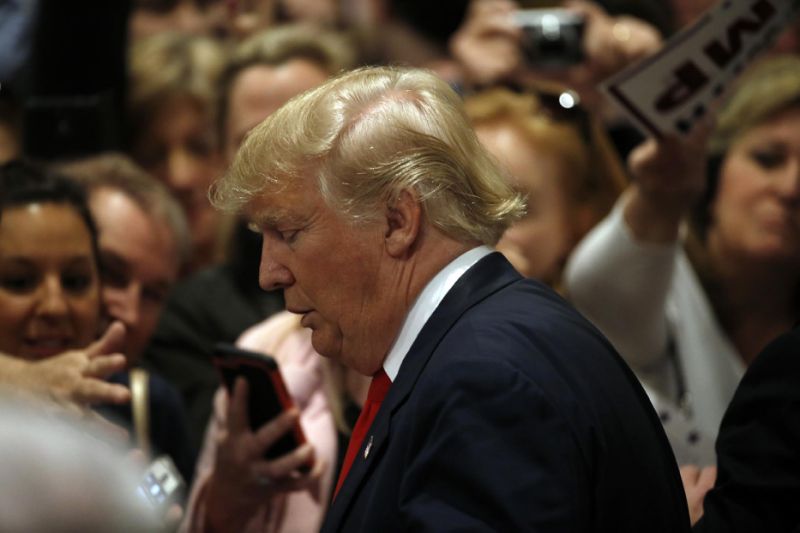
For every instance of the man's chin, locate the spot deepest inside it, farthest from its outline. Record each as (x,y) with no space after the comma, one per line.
(322,345)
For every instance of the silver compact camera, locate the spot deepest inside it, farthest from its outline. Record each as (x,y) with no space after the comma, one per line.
(551,38)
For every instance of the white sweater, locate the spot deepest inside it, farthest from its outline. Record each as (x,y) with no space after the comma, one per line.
(648,301)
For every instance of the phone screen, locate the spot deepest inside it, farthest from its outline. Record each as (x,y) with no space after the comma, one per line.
(161,483)
(267,393)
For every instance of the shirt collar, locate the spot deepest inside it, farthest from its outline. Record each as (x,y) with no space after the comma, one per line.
(426,303)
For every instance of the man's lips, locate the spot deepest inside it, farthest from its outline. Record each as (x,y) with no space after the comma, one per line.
(304,312)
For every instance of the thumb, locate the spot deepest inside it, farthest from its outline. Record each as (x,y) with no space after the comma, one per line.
(113,340)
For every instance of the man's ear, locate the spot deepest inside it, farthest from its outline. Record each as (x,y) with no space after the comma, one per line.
(403,218)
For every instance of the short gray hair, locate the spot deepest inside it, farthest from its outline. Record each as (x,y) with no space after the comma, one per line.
(118,172)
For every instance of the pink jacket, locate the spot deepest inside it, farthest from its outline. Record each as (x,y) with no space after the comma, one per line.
(282,337)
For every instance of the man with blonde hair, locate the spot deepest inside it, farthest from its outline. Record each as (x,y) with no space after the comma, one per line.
(494,406)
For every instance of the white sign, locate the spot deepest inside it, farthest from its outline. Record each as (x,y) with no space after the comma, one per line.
(669,91)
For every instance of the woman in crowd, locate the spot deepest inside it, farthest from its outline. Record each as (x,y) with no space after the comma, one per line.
(171,112)
(694,272)
(49,279)
(560,158)
(50,293)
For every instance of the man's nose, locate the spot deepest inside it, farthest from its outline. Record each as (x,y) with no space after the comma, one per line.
(272,273)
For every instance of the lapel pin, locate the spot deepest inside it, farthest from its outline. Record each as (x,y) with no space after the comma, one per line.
(368,448)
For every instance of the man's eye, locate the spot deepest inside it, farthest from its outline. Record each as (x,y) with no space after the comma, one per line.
(289,236)
(154,296)
(114,278)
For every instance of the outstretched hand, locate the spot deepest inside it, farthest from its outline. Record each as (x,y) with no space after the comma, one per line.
(77,376)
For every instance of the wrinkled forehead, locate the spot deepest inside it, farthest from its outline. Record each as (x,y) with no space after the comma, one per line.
(281,202)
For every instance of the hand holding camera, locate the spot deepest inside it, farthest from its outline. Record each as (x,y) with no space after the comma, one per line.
(551,38)
(578,45)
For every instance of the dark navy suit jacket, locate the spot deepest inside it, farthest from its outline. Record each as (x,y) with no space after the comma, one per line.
(512,413)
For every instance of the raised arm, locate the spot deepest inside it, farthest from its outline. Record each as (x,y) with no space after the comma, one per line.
(620,275)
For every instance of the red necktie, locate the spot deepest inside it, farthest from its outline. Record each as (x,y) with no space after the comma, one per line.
(377,392)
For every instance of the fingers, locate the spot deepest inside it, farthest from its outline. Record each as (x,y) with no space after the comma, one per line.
(689,475)
(270,432)
(707,478)
(102,366)
(238,414)
(113,340)
(283,472)
(698,479)
(94,391)
(696,483)
(642,156)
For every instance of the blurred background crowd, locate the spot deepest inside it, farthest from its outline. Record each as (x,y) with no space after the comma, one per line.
(117,117)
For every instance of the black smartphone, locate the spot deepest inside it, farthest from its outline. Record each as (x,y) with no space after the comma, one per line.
(267,395)
(551,38)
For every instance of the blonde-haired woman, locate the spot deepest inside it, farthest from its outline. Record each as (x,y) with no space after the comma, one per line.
(172,97)
(695,272)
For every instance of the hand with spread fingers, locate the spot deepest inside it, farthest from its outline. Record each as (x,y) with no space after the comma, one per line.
(242,477)
(489,47)
(77,376)
(71,382)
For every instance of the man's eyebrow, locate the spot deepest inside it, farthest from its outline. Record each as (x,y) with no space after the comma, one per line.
(271,218)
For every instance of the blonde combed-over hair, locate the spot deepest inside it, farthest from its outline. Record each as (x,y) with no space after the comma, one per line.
(369,134)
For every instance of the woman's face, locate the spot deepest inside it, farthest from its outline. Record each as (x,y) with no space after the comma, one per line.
(756,212)
(49,290)
(538,244)
(178,147)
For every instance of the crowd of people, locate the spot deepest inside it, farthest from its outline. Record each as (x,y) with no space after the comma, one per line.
(496,305)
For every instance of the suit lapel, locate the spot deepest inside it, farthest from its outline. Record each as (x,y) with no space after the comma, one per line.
(486,277)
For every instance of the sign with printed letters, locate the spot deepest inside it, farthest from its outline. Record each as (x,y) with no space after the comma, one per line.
(669,91)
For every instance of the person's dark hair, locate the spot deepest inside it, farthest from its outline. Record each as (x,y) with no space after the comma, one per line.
(23,182)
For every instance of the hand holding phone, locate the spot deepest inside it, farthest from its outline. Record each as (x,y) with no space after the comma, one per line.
(268,396)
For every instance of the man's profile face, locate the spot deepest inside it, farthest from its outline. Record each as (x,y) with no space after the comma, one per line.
(334,273)
(140,265)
